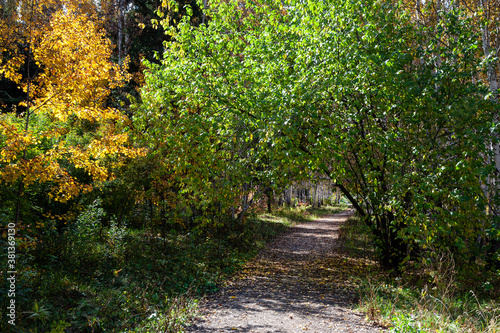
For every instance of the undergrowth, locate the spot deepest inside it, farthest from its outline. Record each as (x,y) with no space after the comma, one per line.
(303,213)
(431,296)
(116,279)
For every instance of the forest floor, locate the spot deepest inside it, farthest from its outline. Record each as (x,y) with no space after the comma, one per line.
(299,282)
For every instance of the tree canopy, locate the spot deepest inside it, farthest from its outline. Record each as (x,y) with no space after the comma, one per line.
(154,124)
(389,109)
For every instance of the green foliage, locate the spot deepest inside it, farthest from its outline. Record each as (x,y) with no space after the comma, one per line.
(40,312)
(113,278)
(86,230)
(358,238)
(380,104)
(433,297)
(117,239)
(394,113)
(59,327)
(179,313)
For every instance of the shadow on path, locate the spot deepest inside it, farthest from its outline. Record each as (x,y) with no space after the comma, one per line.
(295,284)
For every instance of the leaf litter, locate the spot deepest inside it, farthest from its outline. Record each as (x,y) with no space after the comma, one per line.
(300,282)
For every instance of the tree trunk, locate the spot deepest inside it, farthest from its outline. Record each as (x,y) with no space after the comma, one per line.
(120,19)
(393,250)
(493,181)
(269,196)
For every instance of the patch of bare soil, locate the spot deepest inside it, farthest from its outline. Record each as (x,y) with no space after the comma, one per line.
(300,282)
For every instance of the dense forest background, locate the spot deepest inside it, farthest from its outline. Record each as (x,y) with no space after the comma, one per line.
(140,141)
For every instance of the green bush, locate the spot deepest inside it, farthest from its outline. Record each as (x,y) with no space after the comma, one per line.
(85,233)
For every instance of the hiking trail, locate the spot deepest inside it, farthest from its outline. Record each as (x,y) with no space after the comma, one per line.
(297,283)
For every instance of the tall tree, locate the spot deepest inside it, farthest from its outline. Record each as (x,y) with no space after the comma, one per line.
(67,126)
(485,15)
(383,106)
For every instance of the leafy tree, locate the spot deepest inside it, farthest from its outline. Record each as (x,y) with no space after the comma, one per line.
(67,138)
(353,90)
(484,15)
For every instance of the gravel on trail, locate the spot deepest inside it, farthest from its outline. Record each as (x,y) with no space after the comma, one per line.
(287,288)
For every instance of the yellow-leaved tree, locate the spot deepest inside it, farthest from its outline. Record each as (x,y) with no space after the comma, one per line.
(67,129)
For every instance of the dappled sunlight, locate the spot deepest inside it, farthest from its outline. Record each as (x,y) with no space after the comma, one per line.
(298,282)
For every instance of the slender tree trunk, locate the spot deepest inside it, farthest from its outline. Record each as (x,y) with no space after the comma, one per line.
(393,249)
(494,145)
(20,187)
(289,193)
(120,13)
(205,3)
(269,197)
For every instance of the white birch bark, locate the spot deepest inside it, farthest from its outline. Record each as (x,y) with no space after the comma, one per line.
(489,50)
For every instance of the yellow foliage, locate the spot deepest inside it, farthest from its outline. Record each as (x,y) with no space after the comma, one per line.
(78,76)
(69,95)
(10,57)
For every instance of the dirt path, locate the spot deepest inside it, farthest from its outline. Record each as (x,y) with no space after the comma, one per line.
(297,283)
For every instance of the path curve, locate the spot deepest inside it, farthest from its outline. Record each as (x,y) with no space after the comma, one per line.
(288,287)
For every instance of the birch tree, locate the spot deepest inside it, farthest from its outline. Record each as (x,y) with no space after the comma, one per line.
(67,125)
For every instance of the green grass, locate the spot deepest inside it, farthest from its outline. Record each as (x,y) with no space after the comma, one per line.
(122,280)
(432,297)
(303,213)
